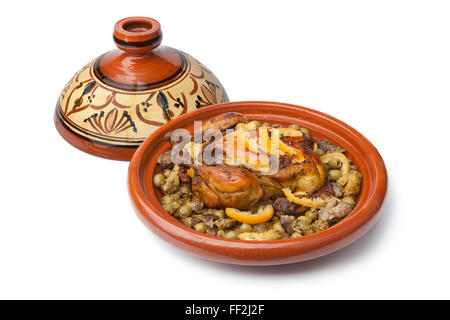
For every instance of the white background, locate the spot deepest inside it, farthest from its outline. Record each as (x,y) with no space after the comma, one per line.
(67,229)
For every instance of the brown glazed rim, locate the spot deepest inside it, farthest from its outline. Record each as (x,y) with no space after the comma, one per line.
(150,29)
(94,148)
(145,200)
(137,34)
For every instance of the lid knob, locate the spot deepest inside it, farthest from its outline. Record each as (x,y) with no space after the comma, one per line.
(137,34)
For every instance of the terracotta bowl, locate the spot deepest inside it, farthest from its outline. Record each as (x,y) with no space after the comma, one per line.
(145,197)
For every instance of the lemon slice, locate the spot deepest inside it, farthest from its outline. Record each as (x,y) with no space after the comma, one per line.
(306,202)
(345,167)
(263,214)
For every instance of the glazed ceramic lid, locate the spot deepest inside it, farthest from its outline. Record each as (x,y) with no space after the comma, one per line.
(118,99)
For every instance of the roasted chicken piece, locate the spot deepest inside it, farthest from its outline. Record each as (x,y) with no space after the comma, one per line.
(223,121)
(226,186)
(254,169)
(305,172)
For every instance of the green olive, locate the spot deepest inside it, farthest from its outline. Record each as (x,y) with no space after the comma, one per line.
(187,221)
(265,125)
(158,180)
(171,207)
(231,235)
(220,213)
(185,211)
(256,123)
(334,163)
(245,228)
(296,235)
(311,214)
(278,227)
(220,233)
(304,130)
(294,126)
(334,174)
(320,152)
(200,227)
(305,218)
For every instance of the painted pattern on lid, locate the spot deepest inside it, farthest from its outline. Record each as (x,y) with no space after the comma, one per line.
(123,96)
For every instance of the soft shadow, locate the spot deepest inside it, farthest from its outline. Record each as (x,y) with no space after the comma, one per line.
(362,247)
(357,250)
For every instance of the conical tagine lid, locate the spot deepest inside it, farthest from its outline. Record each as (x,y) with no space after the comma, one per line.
(117,100)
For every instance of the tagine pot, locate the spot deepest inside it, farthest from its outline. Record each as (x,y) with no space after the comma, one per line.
(120,98)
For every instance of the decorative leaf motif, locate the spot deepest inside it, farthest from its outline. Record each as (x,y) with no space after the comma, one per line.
(209,94)
(88,88)
(164,104)
(162,100)
(103,108)
(110,120)
(77,103)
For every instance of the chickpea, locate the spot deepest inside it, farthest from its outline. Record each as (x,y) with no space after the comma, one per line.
(296,235)
(265,125)
(295,127)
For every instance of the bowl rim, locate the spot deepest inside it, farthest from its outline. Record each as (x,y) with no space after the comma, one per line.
(162,223)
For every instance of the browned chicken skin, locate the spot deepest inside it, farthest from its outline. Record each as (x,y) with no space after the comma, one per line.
(306,173)
(224,121)
(226,186)
(238,187)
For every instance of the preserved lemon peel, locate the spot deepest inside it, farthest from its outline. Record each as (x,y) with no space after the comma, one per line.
(277,145)
(263,214)
(345,165)
(190,172)
(306,202)
(288,132)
